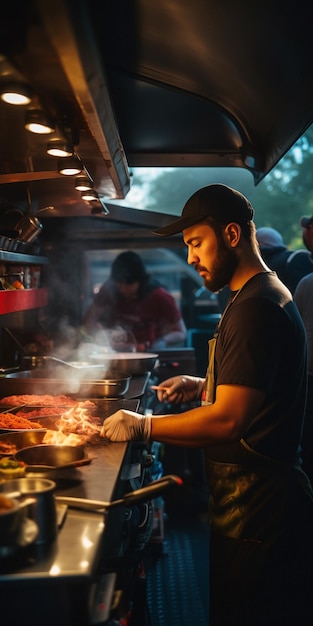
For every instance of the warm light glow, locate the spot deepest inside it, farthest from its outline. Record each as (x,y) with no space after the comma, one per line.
(83,182)
(37,122)
(39,129)
(87,543)
(15,98)
(59,148)
(16,93)
(90,195)
(55,570)
(70,166)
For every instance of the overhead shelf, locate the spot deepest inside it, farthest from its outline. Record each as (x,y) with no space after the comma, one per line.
(23,259)
(22,300)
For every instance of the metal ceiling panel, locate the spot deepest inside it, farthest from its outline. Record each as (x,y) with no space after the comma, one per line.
(168,83)
(208,82)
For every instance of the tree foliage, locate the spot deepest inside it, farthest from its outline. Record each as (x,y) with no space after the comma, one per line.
(284,195)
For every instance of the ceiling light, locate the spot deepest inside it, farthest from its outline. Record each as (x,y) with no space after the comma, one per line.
(70,166)
(16,93)
(99,208)
(60,148)
(37,122)
(83,182)
(90,195)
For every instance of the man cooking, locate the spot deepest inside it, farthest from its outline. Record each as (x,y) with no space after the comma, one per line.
(249,422)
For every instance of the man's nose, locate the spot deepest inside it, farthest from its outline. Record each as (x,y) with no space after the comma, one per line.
(191,258)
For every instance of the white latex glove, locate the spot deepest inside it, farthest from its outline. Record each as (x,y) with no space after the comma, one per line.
(126,426)
(180,389)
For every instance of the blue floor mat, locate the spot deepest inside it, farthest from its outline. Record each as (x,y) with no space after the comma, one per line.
(177,575)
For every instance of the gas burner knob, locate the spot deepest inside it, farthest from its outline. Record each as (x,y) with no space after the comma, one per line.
(147,460)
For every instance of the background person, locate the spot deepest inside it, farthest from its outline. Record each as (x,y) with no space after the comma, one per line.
(289,265)
(307,233)
(303,298)
(135,308)
(249,423)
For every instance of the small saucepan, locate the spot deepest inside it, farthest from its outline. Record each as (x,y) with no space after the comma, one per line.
(12,514)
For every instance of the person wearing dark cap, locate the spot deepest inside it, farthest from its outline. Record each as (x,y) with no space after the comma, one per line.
(303,298)
(289,265)
(134,311)
(307,233)
(248,421)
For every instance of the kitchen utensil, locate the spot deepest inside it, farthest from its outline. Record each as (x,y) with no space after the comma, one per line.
(11,517)
(13,408)
(135,363)
(76,365)
(28,532)
(4,242)
(28,228)
(113,385)
(150,491)
(21,439)
(42,507)
(31,361)
(52,456)
(43,381)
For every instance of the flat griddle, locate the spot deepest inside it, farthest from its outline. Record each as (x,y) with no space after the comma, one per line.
(38,381)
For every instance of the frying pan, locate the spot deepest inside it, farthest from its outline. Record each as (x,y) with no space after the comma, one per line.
(136,363)
(112,384)
(44,457)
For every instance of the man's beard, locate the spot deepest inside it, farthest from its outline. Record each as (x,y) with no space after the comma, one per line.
(223,269)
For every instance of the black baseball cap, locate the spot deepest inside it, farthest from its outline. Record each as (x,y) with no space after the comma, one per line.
(219,201)
(305,222)
(128,267)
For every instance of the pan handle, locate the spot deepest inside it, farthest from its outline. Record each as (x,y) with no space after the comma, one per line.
(149,492)
(51,468)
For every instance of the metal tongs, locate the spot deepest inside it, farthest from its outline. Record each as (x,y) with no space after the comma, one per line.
(72,364)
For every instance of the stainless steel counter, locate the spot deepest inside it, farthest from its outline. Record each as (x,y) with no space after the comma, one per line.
(68,572)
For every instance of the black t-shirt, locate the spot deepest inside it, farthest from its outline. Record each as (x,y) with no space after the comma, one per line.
(261,344)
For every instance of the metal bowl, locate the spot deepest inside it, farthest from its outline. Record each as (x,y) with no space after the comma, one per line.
(21,439)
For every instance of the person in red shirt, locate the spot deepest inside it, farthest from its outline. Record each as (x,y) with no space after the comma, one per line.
(133,310)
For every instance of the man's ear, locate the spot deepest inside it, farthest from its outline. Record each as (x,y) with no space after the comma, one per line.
(232,234)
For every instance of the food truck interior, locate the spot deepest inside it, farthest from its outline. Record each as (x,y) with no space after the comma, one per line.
(122,85)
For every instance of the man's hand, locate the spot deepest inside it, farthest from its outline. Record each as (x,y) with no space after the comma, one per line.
(126,426)
(180,389)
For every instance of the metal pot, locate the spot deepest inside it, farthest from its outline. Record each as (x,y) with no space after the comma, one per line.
(12,515)
(28,228)
(10,519)
(39,502)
